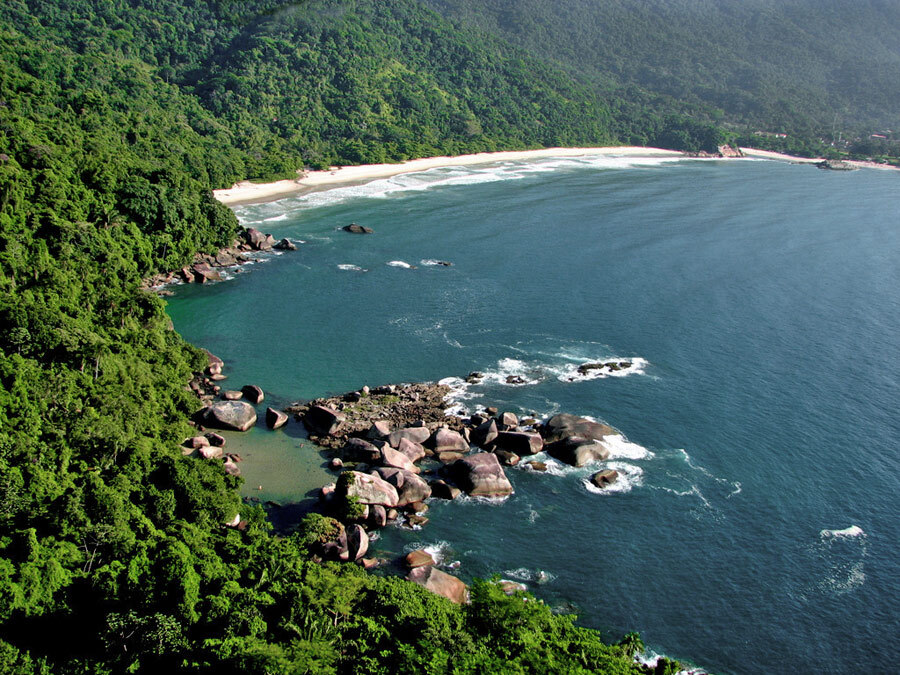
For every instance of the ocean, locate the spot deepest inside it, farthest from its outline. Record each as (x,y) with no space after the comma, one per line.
(756,523)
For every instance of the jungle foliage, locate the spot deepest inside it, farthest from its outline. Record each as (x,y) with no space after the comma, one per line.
(116,120)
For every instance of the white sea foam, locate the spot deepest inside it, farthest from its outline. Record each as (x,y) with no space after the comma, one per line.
(513,372)
(459,393)
(351,268)
(621,448)
(432,262)
(538,576)
(281,216)
(636,366)
(400,263)
(852,531)
(630,477)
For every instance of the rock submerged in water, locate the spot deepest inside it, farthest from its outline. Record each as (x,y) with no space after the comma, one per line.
(353,228)
(234,415)
(603,479)
(286,245)
(275,419)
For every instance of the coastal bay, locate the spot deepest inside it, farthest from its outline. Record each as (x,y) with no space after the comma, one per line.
(725,544)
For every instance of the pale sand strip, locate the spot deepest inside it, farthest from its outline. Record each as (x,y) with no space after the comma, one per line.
(246,192)
(767,154)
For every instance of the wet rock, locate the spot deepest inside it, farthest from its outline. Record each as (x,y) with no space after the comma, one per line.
(253,393)
(507,421)
(536,466)
(320,419)
(578,451)
(449,457)
(236,415)
(520,442)
(440,583)
(605,478)
(474,377)
(417,521)
(275,419)
(417,507)
(232,395)
(480,475)
(507,458)
(286,245)
(442,490)
(485,434)
(357,229)
(392,514)
(418,558)
(564,425)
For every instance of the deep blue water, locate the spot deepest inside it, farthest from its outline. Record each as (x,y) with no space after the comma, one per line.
(758,525)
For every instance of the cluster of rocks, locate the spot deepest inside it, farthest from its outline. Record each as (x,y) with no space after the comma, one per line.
(721,151)
(395,448)
(836,165)
(208,267)
(211,446)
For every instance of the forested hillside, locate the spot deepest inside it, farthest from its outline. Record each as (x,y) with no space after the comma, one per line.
(116,120)
(797,66)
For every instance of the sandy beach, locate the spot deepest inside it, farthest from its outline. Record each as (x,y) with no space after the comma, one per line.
(767,154)
(246,192)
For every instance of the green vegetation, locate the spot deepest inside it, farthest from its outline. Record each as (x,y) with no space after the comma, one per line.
(802,67)
(116,120)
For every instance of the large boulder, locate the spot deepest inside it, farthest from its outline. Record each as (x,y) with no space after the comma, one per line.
(418,558)
(196,442)
(603,479)
(446,440)
(368,488)
(235,415)
(410,487)
(322,420)
(564,425)
(357,542)
(379,430)
(440,583)
(286,245)
(484,434)
(275,419)
(215,439)
(481,475)
(578,451)
(442,490)
(353,228)
(414,451)
(253,393)
(414,434)
(359,450)
(519,442)
(396,459)
(203,273)
(255,238)
(507,420)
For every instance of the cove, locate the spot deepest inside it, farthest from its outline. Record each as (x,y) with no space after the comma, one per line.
(758,524)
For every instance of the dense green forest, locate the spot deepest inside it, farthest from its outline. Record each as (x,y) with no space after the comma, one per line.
(116,120)
(797,66)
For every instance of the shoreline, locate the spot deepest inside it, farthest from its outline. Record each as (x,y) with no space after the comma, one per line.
(782,157)
(246,192)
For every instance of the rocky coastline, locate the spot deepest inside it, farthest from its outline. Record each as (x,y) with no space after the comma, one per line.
(207,267)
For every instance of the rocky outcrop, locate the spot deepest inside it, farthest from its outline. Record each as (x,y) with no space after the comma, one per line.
(323,420)
(480,475)
(414,434)
(578,451)
(414,451)
(418,558)
(445,440)
(398,460)
(440,583)
(234,415)
(484,434)
(520,442)
(410,487)
(286,245)
(605,478)
(836,165)
(564,425)
(367,488)
(275,419)
(358,450)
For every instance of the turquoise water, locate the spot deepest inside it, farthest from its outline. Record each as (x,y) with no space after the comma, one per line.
(757,526)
